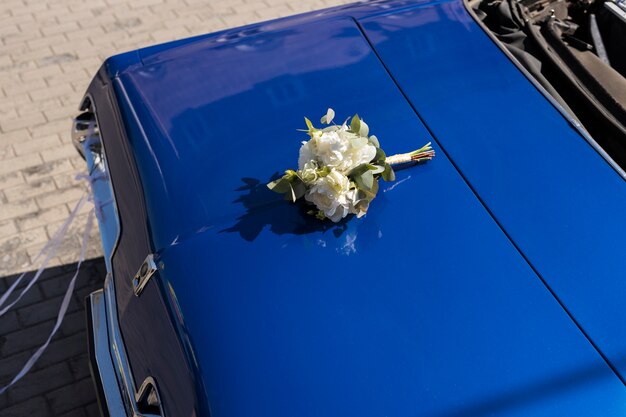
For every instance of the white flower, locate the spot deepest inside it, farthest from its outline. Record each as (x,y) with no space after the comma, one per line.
(308,173)
(332,149)
(332,195)
(337,148)
(358,207)
(360,152)
(308,151)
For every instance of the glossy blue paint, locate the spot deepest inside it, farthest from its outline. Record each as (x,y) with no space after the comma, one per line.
(422,308)
(558,200)
(122,62)
(396,316)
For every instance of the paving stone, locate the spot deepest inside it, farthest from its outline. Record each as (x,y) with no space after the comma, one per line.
(7,228)
(47,169)
(36,406)
(42,217)
(60,197)
(11,179)
(44,310)
(92,410)
(77,412)
(32,189)
(79,365)
(56,287)
(37,144)
(9,322)
(70,350)
(24,339)
(11,243)
(73,323)
(20,162)
(42,381)
(61,377)
(18,260)
(16,209)
(11,365)
(68,397)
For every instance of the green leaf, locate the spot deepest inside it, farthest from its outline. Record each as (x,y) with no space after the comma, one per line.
(355,124)
(328,117)
(380,156)
(281,185)
(290,174)
(374,141)
(388,174)
(272,185)
(319,214)
(374,189)
(368,179)
(358,170)
(309,125)
(377,169)
(364,129)
(323,171)
(299,188)
(291,195)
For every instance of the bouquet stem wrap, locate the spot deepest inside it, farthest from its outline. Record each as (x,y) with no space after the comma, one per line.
(422,154)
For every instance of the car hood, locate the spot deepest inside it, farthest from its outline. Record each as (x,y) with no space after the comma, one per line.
(423,307)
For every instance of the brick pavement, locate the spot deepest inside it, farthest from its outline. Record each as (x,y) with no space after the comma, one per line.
(48,53)
(59,385)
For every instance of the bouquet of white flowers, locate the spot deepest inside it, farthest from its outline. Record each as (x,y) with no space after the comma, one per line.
(339,167)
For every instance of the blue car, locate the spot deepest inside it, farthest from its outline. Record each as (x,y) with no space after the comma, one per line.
(489,281)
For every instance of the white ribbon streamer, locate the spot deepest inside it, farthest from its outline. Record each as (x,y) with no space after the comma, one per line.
(50,250)
(68,293)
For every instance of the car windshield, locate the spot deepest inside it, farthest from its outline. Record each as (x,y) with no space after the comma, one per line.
(575,50)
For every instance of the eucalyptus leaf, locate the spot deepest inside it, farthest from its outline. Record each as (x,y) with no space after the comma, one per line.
(364,129)
(280,186)
(299,188)
(358,170)
(389,174)
(374,141)
(272,185)
(377,169)
(328,117)
(374,189)
(380,156)
(292,194)
(368,193)
(355,124)
(368,179)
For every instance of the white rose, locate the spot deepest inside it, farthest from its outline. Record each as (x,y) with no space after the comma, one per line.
(307,154)
(359,152)
(332,149)
(331,195)
(336,148)
(308,172)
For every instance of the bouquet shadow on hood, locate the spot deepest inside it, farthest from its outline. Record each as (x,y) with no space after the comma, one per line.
(266,208)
